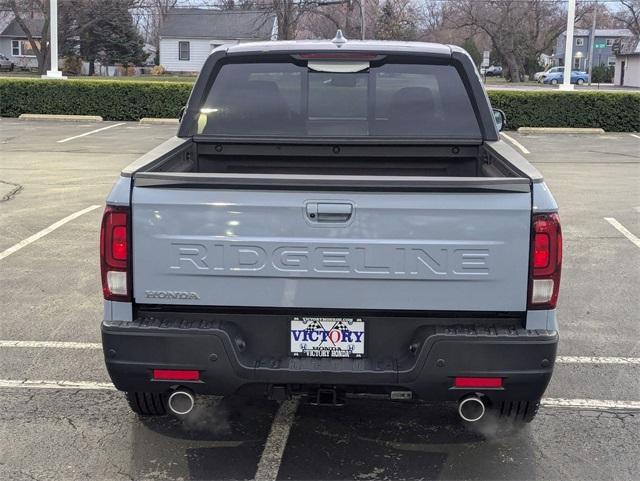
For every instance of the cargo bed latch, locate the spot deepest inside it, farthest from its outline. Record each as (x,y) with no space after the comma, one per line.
(329,212)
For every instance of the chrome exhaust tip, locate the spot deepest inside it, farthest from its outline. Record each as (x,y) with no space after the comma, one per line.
(181,402)
(471,409)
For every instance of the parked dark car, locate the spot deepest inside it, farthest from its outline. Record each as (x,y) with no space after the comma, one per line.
(492,71)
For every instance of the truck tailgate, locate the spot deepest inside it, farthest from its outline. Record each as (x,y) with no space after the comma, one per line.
(350,250)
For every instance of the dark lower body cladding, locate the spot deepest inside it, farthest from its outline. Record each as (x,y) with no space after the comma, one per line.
(249,352)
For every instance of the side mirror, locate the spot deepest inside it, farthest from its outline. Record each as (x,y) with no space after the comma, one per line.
(500,118)
(181,113)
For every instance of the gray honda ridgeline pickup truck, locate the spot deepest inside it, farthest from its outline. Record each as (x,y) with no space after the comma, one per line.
(333,219)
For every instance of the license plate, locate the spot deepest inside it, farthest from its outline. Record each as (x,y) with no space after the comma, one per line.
(327,337)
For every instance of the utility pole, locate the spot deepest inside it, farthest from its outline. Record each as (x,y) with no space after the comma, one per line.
(361,3)
(592,39)
(568,48)
(54,73)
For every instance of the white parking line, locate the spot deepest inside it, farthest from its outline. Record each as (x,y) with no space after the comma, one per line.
(634,135)
(597,360)
(52,344)
(42,384)
(522,148)
(271,458)
(623,230)
(44,232)
(599,404)
(89,133)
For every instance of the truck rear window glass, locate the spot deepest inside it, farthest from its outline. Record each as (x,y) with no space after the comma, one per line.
(391,100)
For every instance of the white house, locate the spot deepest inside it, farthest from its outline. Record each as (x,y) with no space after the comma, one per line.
(627,72)
(14,43)
(188,35)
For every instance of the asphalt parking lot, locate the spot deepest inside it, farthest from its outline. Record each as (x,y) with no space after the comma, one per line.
(60,418)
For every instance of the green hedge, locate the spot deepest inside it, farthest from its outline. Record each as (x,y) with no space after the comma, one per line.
(612,111)
(129,100)
(112,99)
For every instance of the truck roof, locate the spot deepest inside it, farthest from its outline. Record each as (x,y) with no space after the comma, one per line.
(377,46)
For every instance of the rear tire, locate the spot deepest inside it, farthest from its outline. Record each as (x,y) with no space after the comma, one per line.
(147,403)
(517,412)
(579,81)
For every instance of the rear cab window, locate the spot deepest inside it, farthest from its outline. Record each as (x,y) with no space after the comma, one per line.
(358,99)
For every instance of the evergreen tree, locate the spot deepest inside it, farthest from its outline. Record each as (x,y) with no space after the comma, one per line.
(121,41)
(470,46)
(104,31)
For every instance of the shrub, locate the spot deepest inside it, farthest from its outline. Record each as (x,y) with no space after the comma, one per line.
(602,74)
(72,65)
(158,70)
(132,100)
(611,111)
(112,99)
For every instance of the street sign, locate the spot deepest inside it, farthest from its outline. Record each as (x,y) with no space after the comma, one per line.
(485,58)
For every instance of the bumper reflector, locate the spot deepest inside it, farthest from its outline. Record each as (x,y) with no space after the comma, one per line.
(478,382)
(175,375)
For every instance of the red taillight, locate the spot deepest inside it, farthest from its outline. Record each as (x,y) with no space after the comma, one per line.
(478,382)
(114,254)
(175,375)
(546,261)
(119,243)
(541,246)
(338,56)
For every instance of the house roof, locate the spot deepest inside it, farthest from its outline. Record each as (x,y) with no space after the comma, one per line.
(629,46)
(13,29)
(602,32)
(216,24)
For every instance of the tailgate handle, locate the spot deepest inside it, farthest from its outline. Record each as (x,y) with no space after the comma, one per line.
(329,211)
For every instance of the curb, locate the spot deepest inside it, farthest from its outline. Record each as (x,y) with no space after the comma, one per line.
(65,118)
(159,121)
(559,130)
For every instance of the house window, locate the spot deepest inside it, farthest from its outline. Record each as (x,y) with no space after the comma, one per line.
(184,51)
(576,63)
(22,48)
(611,61)
(579,42)
(609,42)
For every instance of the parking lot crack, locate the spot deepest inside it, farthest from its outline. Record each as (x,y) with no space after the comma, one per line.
(14,189)
(71,423)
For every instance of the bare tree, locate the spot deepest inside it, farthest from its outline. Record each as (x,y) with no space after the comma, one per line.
(289,14)
(331,15)
(519,31)
(629,15)
(25,10)
(433,17)
(397,20)
(439,23)
(149,16)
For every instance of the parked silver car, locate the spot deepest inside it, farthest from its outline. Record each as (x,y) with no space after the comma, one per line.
(539,76)
(333,218)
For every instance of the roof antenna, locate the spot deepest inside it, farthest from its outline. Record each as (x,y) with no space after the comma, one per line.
(339,39)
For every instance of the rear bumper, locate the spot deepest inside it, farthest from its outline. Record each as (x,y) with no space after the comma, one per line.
(437,354)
